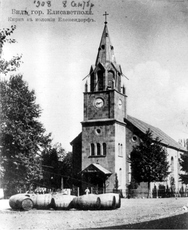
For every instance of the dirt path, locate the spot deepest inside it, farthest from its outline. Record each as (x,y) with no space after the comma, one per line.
(132,211)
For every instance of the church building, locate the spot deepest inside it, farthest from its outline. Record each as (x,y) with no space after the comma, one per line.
(101,150)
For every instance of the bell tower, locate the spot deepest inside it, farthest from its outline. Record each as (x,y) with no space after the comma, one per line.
(103,127)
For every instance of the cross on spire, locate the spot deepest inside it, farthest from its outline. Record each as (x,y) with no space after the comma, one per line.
(105,14)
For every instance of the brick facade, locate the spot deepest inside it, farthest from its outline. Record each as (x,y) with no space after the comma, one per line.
(105,126)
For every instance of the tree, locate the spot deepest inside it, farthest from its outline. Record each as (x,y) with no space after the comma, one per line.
(61,153)
(184,167)
(149,160)
(57,164)
(66,169)
(23,137)
(183,161)
(14,62)
(51,170)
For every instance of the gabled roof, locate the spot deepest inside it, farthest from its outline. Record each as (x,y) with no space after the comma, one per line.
(77,139)
(164,138)
(95,167)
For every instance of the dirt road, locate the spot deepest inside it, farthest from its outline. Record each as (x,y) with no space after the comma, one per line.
(131,213)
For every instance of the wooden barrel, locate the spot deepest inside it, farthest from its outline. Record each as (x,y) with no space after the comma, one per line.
(21,202)
(62,202)
(33,197)
(43,201)
(14,200)
(108,201)
(87,202)
(118,199)
(27,204)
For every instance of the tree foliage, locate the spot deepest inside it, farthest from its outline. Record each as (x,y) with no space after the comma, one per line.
(26,155)
(149,160)
(66,169)
(51,170)
(184,167)
(57,164)
(4,33)
(61,153)
(23,137)
(7,66)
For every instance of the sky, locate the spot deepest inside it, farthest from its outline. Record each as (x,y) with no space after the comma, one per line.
(150,39)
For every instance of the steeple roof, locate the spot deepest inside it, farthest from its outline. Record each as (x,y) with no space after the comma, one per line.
(106,50)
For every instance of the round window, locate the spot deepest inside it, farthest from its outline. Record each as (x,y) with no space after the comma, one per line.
(98,131)
(134,138)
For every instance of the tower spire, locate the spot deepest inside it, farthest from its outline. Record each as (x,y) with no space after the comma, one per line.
(106,50)
(105,14)
(106,73)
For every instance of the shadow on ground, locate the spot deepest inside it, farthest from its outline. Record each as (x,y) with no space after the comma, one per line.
(173,222)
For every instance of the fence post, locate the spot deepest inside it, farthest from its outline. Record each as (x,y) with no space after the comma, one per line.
(157,189)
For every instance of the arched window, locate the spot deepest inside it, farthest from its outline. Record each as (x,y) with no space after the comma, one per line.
(98,149)
(100,80)
(110,79)
(92,149)
(104,149)
(121,150)
(120,177)
(172,165)
(118,149)
(118,82)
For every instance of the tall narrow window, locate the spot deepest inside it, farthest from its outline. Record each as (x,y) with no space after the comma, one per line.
(92,149)
(110,79)
(118,82)
(118,149)
(172,164)
(104,149)
(92,84)
(120,177)
(98,149)
(121,150)
(100,80)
